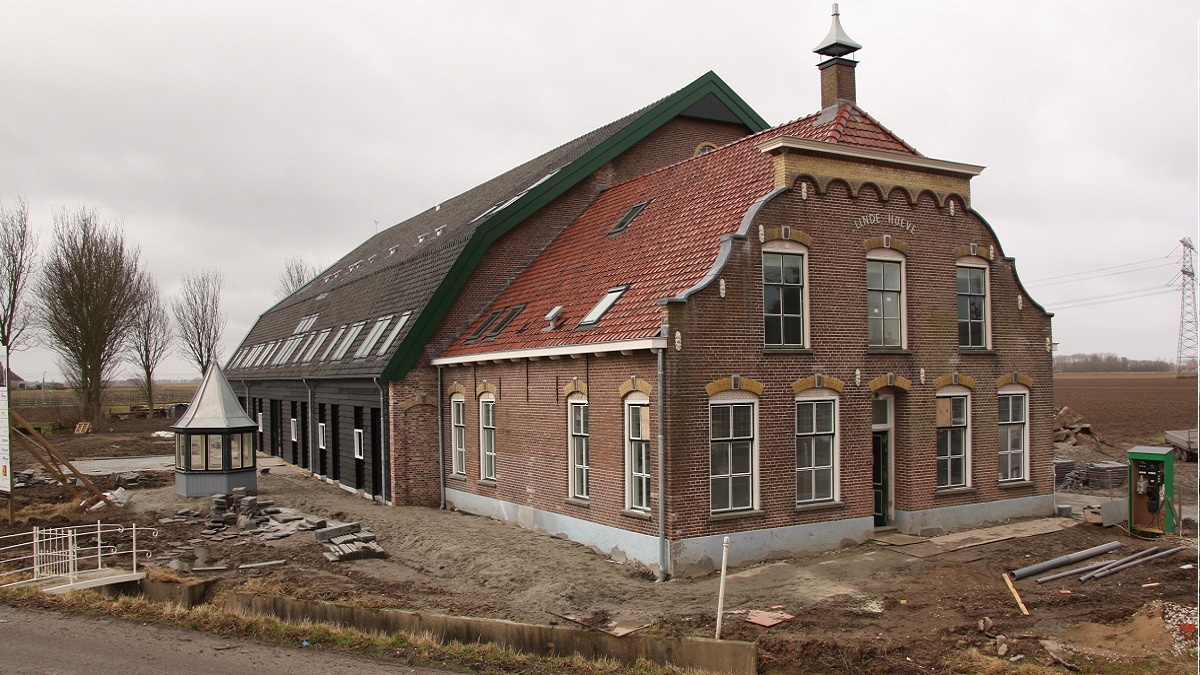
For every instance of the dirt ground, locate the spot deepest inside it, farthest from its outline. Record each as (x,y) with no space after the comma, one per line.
(866,609)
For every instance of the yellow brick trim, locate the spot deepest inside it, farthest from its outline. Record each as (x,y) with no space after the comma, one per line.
(1018,378)
(977,250)
(456,388)
(891,380)
(886,241)
(575,386)
(818,381)
(488,388)
(419,399)
(954,378)
(635,384)
(792,165)
(787,233)
(735,382)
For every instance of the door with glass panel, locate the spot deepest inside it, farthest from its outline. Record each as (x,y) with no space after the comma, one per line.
(881,440)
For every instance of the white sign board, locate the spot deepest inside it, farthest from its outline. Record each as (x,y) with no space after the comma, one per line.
(5,452)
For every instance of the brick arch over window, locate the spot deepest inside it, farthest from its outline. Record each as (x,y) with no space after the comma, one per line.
(575,386)
(735,383)
(818,381)
(1014,378)
(886,241)
(975,250)
(785,233)
(635,384)
(954,379)
(414,401)
(456,388)
(891,380)
(487,387)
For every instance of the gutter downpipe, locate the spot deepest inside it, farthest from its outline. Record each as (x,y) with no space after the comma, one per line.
(385,442)
(441,443)
(312,433)
(664,556)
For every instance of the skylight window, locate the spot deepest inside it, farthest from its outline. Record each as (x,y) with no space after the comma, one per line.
(628,217)
(305,323)
(503,323)
(372,338)
(610,298)
(387,344)
(500,206)
(316,344)
(303,347)
(333,344)
(348,340)
(484,326)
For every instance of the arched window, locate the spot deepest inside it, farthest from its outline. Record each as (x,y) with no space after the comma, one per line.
(458,434)
(953,436)
(733,457)
(1012,416)
(637,451)
(577,442)
(816,446)
(885,298)
(785,305)
(487,436)
(974,311)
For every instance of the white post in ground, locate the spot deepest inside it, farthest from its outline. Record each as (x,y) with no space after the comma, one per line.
(99,547)
(721,593)
(135,547)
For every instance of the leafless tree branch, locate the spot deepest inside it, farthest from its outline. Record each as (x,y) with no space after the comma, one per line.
(18,258)
(198,317)
(295,274)
(152,336)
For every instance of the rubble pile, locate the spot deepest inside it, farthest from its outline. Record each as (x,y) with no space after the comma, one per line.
(29,478)
(1069,425)
(349,542)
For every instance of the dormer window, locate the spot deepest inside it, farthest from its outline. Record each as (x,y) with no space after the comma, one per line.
(610,298)
(628,217)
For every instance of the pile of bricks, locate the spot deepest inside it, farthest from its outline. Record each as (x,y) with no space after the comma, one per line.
(349,542)
(28,478)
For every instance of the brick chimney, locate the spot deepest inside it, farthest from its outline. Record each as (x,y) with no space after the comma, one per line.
(837,73)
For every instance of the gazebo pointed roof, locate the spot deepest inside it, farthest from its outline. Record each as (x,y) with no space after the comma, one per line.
(214,406)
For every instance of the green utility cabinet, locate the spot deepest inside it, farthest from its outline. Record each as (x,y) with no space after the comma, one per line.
(1152,489)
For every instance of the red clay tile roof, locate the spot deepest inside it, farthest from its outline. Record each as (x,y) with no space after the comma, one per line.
(665,250)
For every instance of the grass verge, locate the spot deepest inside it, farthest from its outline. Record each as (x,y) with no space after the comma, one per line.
(415,649)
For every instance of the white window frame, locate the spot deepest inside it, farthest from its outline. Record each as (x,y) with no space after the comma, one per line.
(785,247)
(885,255)
(458,434)
(295,429)
(1011,391)
(487,437)
(321,435)
(359,442)
(387,344)
(578,447)
(974,262)
(316,345)
(816,397)
(734,398)
(260,416)
(610,298)
(639,486)
(351,334)
(949,394)
(336,336)
(373,336)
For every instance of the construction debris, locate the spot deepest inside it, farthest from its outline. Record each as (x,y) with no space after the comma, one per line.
(1069,425)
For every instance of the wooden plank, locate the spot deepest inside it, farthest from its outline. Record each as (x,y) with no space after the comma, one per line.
(1016,595)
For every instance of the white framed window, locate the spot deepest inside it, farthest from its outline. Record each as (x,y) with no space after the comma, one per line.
(953,437)
(348,340)
(358,444)
(259,415)
(458,434)
(316,345)
(637,452)
(784,307)
(973,309)
(373,336)
(336,336)
(321,435)
(731,453)
(885,299)
(578,432)
(1013,416)
(816,449)
(295,429)
(487,437)
(610,298)
(387,344)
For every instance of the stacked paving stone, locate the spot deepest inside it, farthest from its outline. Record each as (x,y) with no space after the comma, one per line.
(28,478)
(349,542)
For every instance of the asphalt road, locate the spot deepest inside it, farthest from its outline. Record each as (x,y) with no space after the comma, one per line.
(44,643)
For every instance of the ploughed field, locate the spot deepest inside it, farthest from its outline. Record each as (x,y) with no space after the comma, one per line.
(1134,408)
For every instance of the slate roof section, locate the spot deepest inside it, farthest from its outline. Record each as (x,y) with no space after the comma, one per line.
(670,246)
(419,265)
(214,406)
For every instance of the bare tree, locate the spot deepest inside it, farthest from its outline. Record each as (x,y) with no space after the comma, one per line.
(198,317)
(295,274)
(87,294)
(151,339)
(18,256)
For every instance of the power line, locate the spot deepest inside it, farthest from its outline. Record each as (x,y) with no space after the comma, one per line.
(1086,275)
(1113,297)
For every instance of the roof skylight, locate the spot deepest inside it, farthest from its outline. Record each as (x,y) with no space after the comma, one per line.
(610,298)
(483,326)
(336,337)
(316,345)
(387,344)
(628,217)
(348,340)
(503,323)
(372,338)
(306,323)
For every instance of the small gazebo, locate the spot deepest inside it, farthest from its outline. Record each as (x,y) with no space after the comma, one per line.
(214,442)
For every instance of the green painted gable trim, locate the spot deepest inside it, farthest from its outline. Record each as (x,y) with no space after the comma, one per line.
(514,214)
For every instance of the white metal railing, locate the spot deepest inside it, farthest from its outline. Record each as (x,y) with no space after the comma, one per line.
(66,551)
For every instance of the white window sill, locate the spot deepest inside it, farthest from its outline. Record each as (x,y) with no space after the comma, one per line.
(735,515)
(819,506)
(578,501)
(956,490)
(486,482)
(635,514)
(1016,483)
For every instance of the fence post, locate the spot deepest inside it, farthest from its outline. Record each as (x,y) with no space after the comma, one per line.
(72,555)
(135,548)
(99,547)
(37,560)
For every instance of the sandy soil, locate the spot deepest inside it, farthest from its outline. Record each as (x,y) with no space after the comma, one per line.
(867,609)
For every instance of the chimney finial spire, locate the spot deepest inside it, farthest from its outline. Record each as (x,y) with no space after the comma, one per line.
(837,43)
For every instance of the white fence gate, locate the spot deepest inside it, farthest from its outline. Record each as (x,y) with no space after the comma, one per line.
(48,552)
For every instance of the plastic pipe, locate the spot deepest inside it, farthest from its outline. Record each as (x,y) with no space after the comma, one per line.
(1089,568)
(721,593)
(1128,558)
(1164,554)
(1065,560)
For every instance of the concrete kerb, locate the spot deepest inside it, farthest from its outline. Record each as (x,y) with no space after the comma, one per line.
(727,656)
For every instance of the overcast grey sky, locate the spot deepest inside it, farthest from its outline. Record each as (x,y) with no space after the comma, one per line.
(232,135)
